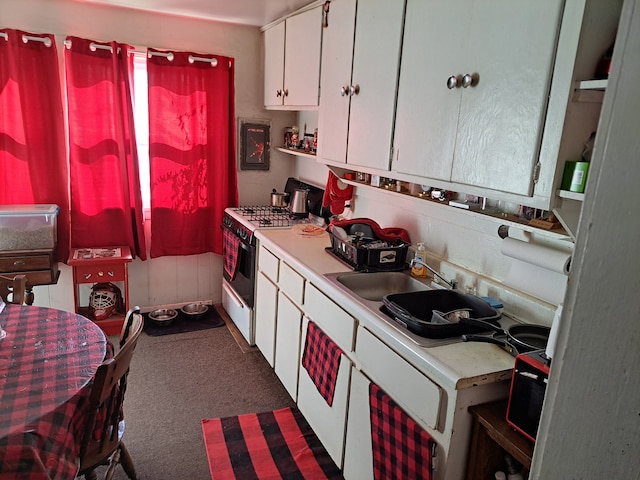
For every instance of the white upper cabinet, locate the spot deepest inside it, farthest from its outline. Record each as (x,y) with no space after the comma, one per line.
(358,83)
(473,90)
(292,61)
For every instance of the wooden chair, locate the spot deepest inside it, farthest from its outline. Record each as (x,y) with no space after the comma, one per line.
(102,439)
(14,287)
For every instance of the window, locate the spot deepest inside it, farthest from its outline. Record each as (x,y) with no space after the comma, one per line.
(141,124)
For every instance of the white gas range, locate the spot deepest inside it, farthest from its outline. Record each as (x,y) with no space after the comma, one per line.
(239,274)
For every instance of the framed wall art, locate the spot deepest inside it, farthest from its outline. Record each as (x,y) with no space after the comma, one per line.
(255,143)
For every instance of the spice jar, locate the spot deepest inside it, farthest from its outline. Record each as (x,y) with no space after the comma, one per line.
(295,137)
(288,133)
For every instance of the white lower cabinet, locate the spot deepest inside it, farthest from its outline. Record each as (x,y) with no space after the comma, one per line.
(266,308)
(288,320)
(358,455)
(328,422)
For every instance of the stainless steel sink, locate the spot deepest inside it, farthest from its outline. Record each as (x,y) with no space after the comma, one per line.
(374,286)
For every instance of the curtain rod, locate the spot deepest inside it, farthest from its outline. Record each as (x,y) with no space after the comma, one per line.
(26,38)
(169,56)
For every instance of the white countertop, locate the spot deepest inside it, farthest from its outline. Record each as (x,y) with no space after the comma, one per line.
(457,366)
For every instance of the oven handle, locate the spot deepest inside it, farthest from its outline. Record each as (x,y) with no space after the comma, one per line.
(234,296)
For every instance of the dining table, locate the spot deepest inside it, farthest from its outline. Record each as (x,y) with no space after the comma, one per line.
(48,358)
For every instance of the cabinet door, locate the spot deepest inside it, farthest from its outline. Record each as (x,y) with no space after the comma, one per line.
(266,305)
(337,54)
(358,455)
(302,58)
(511,47)
(274,65)
(375,72)
(287,357)
(328,422)
(427,110)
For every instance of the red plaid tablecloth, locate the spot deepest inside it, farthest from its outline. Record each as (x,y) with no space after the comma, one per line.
(47,361)
(321,359)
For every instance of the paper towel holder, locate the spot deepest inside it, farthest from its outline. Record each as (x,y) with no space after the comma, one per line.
(503,231)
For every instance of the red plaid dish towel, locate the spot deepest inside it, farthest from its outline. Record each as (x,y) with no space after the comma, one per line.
(231,253)
(401,448)
(321,358)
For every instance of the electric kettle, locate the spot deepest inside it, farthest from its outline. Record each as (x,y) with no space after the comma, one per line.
(298,204)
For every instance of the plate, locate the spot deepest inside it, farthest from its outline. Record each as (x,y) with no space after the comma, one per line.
(308,230)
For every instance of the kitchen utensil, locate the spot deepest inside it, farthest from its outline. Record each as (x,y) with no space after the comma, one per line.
(299,202)
(163,317)
(279,199)
(194,311)
(519,338)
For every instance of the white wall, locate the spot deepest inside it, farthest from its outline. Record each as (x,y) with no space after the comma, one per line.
(169,279)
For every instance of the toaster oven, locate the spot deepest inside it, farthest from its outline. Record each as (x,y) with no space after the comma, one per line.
(528,388)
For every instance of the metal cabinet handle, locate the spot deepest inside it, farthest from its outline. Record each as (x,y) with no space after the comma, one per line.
(452,82)
(19,263)
(285,92)
(278,93)
(354,90)
(87,276)
(111,274)
(344,90)
(467,80)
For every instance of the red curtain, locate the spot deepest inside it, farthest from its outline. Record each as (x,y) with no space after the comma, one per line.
(106,204)
(192,151)
(33,164)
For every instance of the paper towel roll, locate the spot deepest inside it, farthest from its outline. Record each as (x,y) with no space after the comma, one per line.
(553,334)
(541,256)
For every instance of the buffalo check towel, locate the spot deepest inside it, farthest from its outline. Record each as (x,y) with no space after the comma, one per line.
(266,446)
(402,450)
(321,358)
(232,253)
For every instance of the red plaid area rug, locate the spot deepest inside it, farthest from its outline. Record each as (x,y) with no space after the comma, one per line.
(266,446)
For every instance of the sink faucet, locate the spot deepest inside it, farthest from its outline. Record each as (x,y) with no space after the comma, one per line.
(453,283)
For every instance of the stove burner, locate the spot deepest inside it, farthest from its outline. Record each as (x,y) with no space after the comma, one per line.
(268,216)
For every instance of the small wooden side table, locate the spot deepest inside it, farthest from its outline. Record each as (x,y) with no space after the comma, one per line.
(492,437)
(97,265)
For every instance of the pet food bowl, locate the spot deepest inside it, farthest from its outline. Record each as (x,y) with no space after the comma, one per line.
(163,317)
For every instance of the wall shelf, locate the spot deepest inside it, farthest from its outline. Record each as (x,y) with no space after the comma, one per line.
(299,153)
(507,219)
(571,195)
(589,91)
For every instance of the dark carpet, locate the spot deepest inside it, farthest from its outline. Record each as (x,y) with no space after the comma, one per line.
(183,324)
(176,381)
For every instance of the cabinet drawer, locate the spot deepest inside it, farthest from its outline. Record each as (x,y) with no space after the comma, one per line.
(418,395)
(335,322)
(100,273)
(291,283)
(268,264)
(25,263)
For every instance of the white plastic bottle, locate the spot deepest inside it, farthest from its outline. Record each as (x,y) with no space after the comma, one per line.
(417,269)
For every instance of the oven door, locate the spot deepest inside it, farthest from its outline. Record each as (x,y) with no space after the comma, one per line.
(243,284)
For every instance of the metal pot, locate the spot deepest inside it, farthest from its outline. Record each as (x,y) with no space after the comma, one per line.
(279,199)
(299,204)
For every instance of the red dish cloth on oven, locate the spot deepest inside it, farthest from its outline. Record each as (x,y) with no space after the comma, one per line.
(231,253)
(321,358)
(402,450)
(334,196)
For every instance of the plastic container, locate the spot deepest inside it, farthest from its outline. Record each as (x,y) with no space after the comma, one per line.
(28,227)
(354,250)
(419,312)
(418,270)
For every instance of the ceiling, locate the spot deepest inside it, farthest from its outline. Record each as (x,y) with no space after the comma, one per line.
(245,12)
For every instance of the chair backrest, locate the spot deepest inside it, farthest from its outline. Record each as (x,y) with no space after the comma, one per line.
(100,438)
(14,286)
(131,321)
